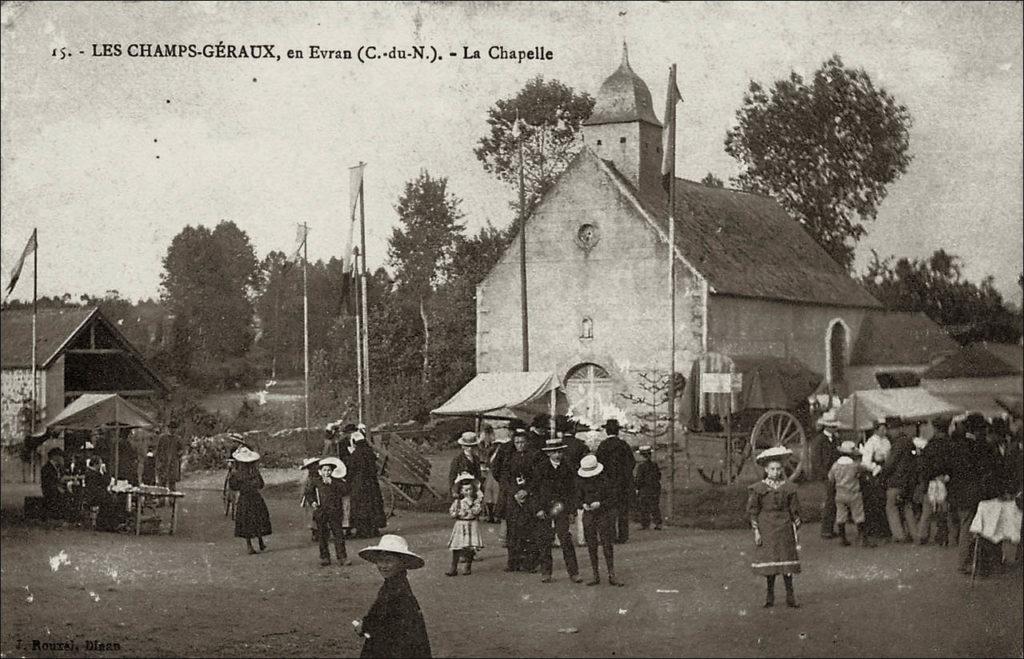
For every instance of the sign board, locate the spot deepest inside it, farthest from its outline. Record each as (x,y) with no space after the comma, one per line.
(721,383)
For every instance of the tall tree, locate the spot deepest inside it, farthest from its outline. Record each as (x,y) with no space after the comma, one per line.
(209,283)
(422,248)
(551,114)
(936,286)
(826,150)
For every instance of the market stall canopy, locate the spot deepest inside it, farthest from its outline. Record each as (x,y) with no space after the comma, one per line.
(909,404)
(518,395)
(92,411)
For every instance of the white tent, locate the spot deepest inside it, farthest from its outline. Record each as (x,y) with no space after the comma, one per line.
(909,404)
(518,395)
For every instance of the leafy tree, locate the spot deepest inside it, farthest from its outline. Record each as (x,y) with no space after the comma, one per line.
(209,283)
(712,181)
(967,311)
(825,150)
(422,248)
(551,114)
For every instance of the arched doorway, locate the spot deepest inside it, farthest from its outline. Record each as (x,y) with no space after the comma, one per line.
(589,390)
(836,345)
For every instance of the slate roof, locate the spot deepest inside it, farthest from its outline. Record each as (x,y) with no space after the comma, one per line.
(980,360)
(53,328)
(898,337)
(745,244)
(623,97)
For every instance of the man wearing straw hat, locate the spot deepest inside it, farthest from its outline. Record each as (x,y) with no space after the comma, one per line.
(468,461)
(555,486)
(394,626)
(598,528)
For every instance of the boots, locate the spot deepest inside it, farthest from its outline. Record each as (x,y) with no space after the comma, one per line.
(248,543)
(612,581)
(865,541)
(454,572)
(342,554)
(787,579)
(842,536)
(263,545)
(469,561)
(769,596)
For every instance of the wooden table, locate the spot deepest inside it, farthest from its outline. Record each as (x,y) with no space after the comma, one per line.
(138,499)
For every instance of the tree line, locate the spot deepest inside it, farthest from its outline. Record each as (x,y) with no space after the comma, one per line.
(826,150)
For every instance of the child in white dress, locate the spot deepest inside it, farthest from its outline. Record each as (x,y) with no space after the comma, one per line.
(465,539)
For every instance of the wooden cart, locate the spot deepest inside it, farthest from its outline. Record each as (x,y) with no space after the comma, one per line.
(742,405)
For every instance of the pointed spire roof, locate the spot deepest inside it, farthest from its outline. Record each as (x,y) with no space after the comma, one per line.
(624,97)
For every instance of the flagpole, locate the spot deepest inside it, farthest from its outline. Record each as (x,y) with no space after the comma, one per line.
(305,321)
(366,315)
(359,341)
(670,123)
(35,298)
(522,255)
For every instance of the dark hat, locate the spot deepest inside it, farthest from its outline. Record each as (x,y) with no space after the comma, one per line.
(349,427)
(975,422)
(56,450)
(611,426)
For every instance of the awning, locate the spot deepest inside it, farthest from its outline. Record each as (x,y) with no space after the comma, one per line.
(909,404)
(92,411)
(515,395)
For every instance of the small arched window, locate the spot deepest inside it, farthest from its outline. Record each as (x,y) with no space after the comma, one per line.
(587,328)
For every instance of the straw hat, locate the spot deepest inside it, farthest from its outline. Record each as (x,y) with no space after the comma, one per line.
(396,546)
(645,449)
(779,453)
(309,462)
(332,461)
(245,454)
(357,436)
(463,477)
(519,432)
(589,467)
(849,447)
(553,444)
(469,438)
(340,471)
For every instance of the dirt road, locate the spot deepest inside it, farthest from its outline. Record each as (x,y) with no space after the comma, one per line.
(688,593)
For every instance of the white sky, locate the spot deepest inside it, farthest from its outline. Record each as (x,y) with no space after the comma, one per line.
(81,136)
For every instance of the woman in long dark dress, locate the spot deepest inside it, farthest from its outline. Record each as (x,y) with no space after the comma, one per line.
(367,503)
(774,512)
(252,519)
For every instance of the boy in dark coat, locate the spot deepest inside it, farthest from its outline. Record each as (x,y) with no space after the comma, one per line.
(522,528)
(594,492)
(648,490)
(394,626)
(328,489)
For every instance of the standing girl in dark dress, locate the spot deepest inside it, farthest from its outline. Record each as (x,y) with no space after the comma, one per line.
(252,519)
(774,512)
(394,626)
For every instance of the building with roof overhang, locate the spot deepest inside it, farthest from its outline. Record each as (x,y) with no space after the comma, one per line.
(78,351)
(749,279)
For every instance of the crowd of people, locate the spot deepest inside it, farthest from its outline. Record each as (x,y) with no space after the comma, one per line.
(924,486)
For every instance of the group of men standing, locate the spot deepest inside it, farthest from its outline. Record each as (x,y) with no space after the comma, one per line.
(548,481)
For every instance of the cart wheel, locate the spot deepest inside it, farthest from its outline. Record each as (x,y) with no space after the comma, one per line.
(388,495)
(780,428)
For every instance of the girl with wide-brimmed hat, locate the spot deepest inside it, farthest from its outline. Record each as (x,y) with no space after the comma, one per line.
(774,512)
(465,538)
(394,626)
(329,489)
(252,519)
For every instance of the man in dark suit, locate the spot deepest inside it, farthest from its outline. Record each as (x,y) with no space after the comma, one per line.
(554,489)
(56,499)
(618,461)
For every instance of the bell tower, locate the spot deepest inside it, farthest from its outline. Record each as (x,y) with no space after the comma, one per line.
(624,129)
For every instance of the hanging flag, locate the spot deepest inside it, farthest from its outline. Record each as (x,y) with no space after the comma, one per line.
(668,143)
(16,270)
(348,284)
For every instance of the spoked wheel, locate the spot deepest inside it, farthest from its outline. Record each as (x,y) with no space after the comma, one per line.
(780,428)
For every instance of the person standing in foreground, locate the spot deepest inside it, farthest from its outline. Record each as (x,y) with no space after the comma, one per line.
(598,525)
(555,487)
(328,489)
(252,519)
(648,490)
(774,512)
(618,460)
(394,626)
